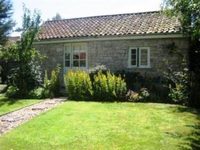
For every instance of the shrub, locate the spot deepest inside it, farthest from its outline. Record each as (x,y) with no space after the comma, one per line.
(133,96)
(25,79)
(109,87)
(12,92)
(94,71)
(54,82)
(52,85)
(157,86)
(78,85)
(37,93)
(142,95)
(179,88)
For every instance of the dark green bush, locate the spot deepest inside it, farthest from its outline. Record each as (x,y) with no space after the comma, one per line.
(25,79)
(157,86)
(109,87)
(37,93)
(12,92)
(52,85)
(78,85)
(179,86)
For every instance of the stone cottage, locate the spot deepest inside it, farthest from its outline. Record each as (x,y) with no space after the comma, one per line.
(131,42)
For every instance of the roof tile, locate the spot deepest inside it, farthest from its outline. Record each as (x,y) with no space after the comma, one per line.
(110,25)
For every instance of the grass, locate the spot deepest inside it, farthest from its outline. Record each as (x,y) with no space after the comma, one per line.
(2,87)
(92,125)
(7,105)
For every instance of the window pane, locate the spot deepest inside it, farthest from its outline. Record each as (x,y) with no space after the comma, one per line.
(133,57)
(75,63)
(144,57)
(76,55)
(67,55)
(82,55)
(67,63)
(83,63)
(133,52)
(133,62)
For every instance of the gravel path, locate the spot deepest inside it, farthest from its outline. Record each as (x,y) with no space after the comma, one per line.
(14,119)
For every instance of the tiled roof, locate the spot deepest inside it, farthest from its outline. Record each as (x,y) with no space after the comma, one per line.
(110,25)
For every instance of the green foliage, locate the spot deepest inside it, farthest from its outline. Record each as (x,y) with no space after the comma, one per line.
(157,86)
(27,73)
(109,87)
(26,80)
(54,82)
(52,85)
(178,77)
(37,93)
(179,87)
(188,13)
(78,85)
(6,22)
(12,92)
(9,52)
(94,71)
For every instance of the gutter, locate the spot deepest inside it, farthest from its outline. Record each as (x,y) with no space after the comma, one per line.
(85,39)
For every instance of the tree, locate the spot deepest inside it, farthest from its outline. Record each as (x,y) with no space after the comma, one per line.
(26,75)
(189,15)
(6,22)
(57,17)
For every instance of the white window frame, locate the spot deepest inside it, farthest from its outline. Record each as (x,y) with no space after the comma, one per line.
(130,59)
(71,51)
(148,57)
(138,56)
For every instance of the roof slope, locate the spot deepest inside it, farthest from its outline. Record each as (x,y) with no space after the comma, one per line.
(110,25)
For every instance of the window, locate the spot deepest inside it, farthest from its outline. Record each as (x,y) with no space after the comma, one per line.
(133,55)
(139,57)
(79,58)
(67,59)
(75,56)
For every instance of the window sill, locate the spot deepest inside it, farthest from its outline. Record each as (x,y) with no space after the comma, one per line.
(133,67)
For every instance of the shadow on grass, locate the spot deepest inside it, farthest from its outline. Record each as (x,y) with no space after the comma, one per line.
(193,139)
(7,101)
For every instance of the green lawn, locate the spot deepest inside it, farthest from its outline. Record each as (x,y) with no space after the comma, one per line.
(7,105)
(2,87)
(92,125)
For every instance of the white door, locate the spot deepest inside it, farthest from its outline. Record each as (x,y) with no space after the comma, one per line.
(75,56)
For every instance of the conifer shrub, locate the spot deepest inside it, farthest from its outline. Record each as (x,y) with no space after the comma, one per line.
(78,85)
(109,87)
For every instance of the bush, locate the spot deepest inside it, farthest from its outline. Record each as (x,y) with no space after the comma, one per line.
(179,87)
(12,92)
(78,85)
(94,71)
(109,87)
(157,86)
(25,79)
(52,85)
(133,96)
(141,96)
(37,93)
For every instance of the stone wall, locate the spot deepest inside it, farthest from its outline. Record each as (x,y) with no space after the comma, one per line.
(114,54)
